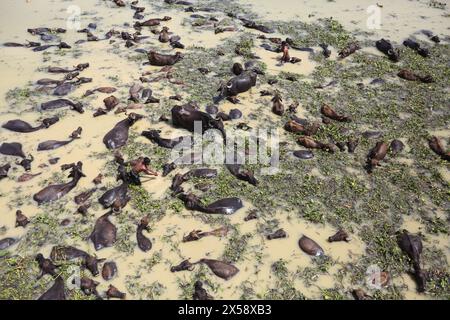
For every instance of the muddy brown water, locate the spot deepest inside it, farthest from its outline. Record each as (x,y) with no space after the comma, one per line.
(19,66)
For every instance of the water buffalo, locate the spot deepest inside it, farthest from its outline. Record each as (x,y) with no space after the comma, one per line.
(159,59)
(56,291)
(238,84)
(67,253)
(187,115)
(118,136)
(225,206)
(56,191)
(221,269)
(117,195)
(18,125)
(104,234)
(386,47)
(54,144)
(144,243)
(12,149)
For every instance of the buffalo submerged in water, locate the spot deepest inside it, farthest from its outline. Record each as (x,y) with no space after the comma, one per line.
(57,191)
(224,206)
(118,136)
(18,125)
(117,195)
(238,84)
(187,115)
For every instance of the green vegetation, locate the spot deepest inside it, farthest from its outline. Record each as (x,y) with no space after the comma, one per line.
(330,189)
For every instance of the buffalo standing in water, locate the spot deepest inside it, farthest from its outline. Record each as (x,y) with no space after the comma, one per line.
(185,117)
(18,125)
(56,191)
(118,136)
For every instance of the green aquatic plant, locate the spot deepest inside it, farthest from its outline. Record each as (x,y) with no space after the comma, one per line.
(236,247)
(328,189)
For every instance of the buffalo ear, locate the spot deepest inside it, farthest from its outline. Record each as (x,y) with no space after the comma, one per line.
(101,260)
